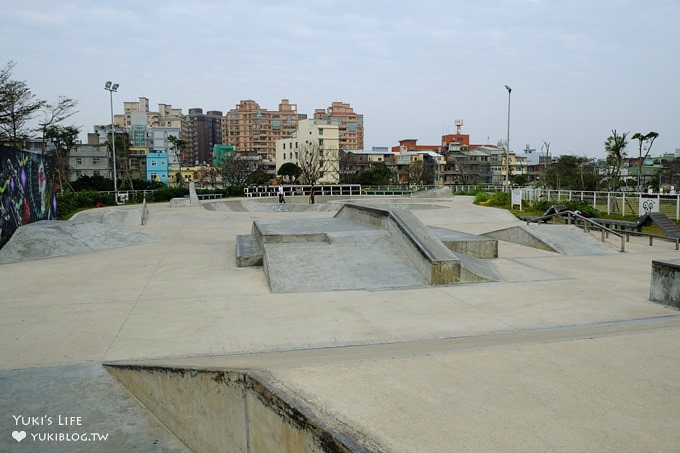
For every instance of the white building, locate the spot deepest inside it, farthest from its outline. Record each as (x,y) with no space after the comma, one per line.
(313,140)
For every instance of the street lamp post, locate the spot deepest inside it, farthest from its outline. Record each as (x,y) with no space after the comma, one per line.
(111,87)
(507,145)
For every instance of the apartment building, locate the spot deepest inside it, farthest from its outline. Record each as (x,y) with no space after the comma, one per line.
(350,124)
(315,143)
(149,131)
(251,128)
(201,132)
(89,159)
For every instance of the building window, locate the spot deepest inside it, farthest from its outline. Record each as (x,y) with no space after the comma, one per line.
(95,161)
(284,156)
(284,147)
(321,142)
(320,131)
(79,161)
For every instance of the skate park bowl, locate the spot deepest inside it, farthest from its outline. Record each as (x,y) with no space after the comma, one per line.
(364,246)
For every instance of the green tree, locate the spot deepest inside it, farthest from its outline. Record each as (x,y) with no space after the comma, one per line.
(571,172)
(615,147)
(54,114)
(377,175)
(290,171)
(64,139)
(18,106)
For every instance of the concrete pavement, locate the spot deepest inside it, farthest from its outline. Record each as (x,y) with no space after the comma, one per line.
(181,300)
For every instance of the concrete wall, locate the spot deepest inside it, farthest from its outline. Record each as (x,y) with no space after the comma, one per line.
(665,285)
(27,192)
(222,410)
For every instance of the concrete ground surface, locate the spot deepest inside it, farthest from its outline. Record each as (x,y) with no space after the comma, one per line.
(564,354)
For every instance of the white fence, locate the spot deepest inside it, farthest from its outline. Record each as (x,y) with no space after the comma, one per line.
(624,203)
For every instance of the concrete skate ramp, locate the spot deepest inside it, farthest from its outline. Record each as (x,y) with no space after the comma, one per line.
(128,216)
(323,204)
(232,410)
(362,247)
(441,192)
(89,392)
(562,239)
(52,238)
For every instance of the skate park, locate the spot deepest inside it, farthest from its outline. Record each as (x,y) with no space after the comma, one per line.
(175,346)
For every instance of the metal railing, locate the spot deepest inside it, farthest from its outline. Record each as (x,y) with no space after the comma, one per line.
(571,215)
(588,224)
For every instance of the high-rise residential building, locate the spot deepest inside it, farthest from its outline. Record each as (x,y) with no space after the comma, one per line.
(351,124)
(202,131)
(251,128)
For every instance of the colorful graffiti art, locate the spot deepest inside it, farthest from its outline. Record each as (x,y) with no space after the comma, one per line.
(26,190)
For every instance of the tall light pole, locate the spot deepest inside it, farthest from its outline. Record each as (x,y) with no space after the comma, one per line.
(507,145)
(111,87)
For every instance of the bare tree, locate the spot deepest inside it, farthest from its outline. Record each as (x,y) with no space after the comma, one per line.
(419,174)
(238,168)
(348,167)
(314,162)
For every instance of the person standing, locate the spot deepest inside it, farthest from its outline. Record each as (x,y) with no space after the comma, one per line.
(282,199)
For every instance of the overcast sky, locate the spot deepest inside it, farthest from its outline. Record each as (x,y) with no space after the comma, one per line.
(577,68)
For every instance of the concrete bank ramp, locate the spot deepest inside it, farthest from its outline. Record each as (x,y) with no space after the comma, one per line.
(441,192)
(52,238)
(236,410)
(562,239)
(115,216)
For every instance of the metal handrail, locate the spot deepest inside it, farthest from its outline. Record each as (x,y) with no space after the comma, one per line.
(586,221)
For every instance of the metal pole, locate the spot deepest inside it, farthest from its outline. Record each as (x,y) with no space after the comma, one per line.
(111,87)
(507,145)
(113,148)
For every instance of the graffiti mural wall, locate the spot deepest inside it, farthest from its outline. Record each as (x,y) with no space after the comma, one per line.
(26,190)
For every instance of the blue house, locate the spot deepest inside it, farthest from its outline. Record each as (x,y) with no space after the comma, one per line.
(157,166)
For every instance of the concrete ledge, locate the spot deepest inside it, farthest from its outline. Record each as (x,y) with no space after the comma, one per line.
(665,286)
(230,410)
(469,244)
(183,202)
(432,258)
(248,251)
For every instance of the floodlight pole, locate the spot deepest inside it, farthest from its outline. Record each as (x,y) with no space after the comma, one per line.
(111,87)
(507,145)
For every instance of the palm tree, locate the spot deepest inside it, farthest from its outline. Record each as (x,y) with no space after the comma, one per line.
(177,146)
(642,139)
